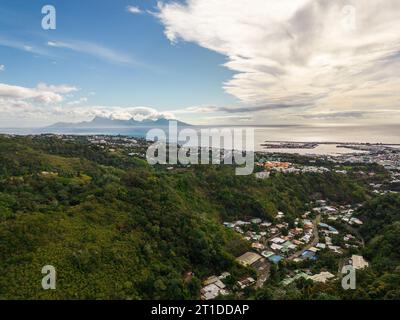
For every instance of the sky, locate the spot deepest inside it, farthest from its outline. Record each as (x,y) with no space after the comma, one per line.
(207,62)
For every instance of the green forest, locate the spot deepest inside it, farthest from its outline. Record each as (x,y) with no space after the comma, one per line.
(116,228)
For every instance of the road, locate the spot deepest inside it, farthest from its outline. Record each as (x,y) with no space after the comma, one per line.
(313,243)
(263,275)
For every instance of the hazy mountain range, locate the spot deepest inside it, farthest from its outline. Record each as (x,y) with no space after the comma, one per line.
(102,122)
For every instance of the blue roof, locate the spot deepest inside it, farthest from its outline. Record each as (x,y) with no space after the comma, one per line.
(275,258)
(323,225)
(308,255)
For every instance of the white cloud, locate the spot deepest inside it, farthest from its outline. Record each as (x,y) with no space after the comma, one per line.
(133,9)
(21,113)
(41,94)
(62,89)
(198,109)
(20,45)
(320,54)
(95,50)
(2,67)
(46,104)
(122,113)
(81,101)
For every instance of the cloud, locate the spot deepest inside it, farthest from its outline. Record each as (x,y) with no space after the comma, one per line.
(20,45)
(316,55)
(133,9)
(238,109)
(41,94)
(62,89)
(2,67)
(198,109)
(250,109)
(29,112)
(122,113)
(79,102)
(95,50)
(336,115)
(236,119)
(46,104)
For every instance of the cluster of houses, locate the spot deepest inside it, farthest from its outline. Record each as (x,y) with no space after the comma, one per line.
(358,262)
(254,260)
(387,156)
(310,234)
(321,277)
(277,241)
(341,213)
(246,282)
(286,167)
(384,155)
(381,189)
(274,165)
(214,287)
(112,140)
(130,146)
(332,212)
(395,176)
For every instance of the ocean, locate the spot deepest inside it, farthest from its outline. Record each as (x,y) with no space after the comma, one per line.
(389,135)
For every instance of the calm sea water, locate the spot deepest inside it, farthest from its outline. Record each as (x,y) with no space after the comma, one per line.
(361,134)
(389,134)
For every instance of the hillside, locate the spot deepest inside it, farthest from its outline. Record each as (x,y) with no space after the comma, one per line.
(116,228)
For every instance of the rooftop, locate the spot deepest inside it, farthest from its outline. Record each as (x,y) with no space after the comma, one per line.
(248,258)
(322,277)
(359,262)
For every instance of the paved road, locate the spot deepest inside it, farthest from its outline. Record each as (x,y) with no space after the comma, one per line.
(313,243)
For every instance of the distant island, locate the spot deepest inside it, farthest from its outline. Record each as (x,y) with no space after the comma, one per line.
(103,122)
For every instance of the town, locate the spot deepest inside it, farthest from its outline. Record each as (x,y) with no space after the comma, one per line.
(275,242)
(326,227)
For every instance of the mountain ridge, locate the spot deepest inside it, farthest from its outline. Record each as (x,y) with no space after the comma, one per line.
(103,122)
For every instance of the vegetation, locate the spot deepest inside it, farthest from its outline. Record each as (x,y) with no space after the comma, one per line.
(117,228)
